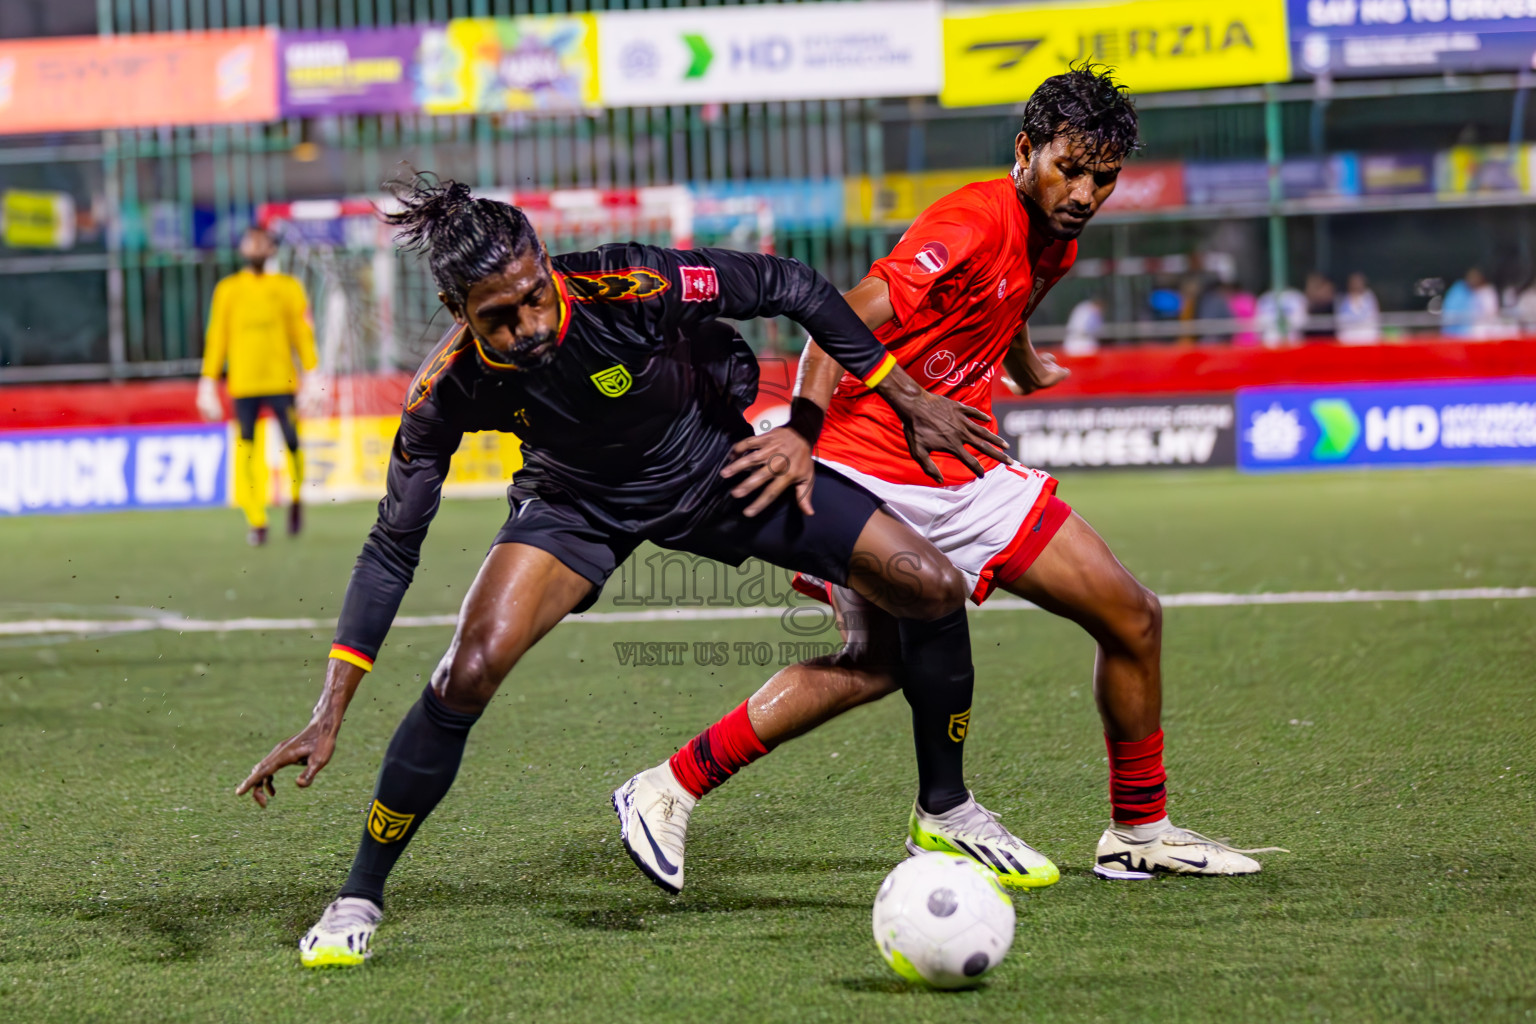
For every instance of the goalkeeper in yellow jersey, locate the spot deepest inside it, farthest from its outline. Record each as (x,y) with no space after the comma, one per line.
(259,326)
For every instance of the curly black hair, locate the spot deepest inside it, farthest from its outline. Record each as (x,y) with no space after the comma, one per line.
(1087,104)
(464,238)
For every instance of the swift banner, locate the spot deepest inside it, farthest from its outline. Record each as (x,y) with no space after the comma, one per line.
(775,52)
(995,55)
(1375,425)
(492,65)
(90,82)
(1346,38)
(349,71)
(110,469)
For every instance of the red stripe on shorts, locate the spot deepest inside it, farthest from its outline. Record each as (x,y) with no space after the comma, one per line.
(1015,559)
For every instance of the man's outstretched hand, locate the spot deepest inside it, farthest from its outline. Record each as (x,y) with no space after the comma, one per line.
(935,424)
(313,746)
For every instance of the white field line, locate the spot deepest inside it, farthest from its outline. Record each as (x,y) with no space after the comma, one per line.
(174,624)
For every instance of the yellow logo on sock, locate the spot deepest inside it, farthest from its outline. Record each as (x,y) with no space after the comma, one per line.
(385,825)
(958,724)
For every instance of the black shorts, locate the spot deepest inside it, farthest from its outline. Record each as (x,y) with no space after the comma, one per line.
(821,545)
(247,409)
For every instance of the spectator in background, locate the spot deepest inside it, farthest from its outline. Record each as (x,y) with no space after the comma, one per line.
(1280,319)
(1320,295)
(1215,304)
(1244,307)
(1471,308)
(1084,324)
(1525,308)
(1163,302)
(1357,316)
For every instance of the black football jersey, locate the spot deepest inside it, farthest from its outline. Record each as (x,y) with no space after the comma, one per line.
(632,420)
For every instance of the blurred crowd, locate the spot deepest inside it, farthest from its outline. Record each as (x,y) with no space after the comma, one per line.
(1218,311)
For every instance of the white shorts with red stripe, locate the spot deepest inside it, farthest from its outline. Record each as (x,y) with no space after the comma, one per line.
(991,528)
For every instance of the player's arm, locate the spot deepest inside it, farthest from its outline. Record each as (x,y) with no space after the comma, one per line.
(754,285)
(215,351)
(301,339)
(1026,370)
(418,464)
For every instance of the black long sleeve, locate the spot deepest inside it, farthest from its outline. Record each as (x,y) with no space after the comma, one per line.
(754,284)
(418,464)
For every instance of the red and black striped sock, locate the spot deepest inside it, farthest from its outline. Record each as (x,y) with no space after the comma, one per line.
(1138,785)
(717,753)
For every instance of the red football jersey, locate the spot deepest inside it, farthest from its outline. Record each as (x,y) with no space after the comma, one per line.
(963,279)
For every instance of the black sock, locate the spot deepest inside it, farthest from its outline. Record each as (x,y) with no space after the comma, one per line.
(937,680)
(418,769)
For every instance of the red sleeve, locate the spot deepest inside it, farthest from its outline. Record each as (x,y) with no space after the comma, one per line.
(940,247)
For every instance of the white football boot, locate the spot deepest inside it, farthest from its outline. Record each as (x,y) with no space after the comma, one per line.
(973,831)
(1175,851)
(653,810)
(343,935)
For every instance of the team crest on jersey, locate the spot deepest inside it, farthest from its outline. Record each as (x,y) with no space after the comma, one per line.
(613,381)
(932,257)
(700,284)
(959,724)
(388,826)
(632,284)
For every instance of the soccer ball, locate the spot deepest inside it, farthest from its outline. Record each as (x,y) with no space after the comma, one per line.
(942,919)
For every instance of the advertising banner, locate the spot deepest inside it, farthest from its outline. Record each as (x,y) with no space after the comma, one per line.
(1375,38)
(898,198)
(1247,181)
(773,52)
(493,65)
(1118,432)
(1393,425)
(1468,170)
(1149,185)
(37,220)
(90,82)
(347,458)
(108,469)
(349,71)
(797,204)
(995,55)
(1397,174)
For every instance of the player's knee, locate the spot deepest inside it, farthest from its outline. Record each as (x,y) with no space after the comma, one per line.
(940,591)
(1141,627)
(861,677)
(470,673)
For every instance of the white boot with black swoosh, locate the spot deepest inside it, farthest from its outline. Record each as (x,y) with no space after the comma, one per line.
(1174,851)
(653,810)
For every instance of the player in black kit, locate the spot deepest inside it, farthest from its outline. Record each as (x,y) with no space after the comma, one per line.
(628,395)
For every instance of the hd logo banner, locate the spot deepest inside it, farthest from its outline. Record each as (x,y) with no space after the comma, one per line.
(769,52)
(997,55)
(1371,425)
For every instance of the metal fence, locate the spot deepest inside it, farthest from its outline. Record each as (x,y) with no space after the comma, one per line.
(125,302)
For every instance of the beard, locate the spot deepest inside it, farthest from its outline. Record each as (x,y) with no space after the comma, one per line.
(533,353)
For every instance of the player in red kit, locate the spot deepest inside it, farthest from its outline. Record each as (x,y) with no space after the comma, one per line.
(952,303)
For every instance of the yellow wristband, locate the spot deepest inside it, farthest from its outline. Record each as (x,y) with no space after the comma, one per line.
(343,653)
(880,372)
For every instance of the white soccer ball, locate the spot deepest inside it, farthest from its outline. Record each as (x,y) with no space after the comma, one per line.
(942,919)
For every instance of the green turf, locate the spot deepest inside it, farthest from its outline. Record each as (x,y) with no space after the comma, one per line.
(1388,746)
